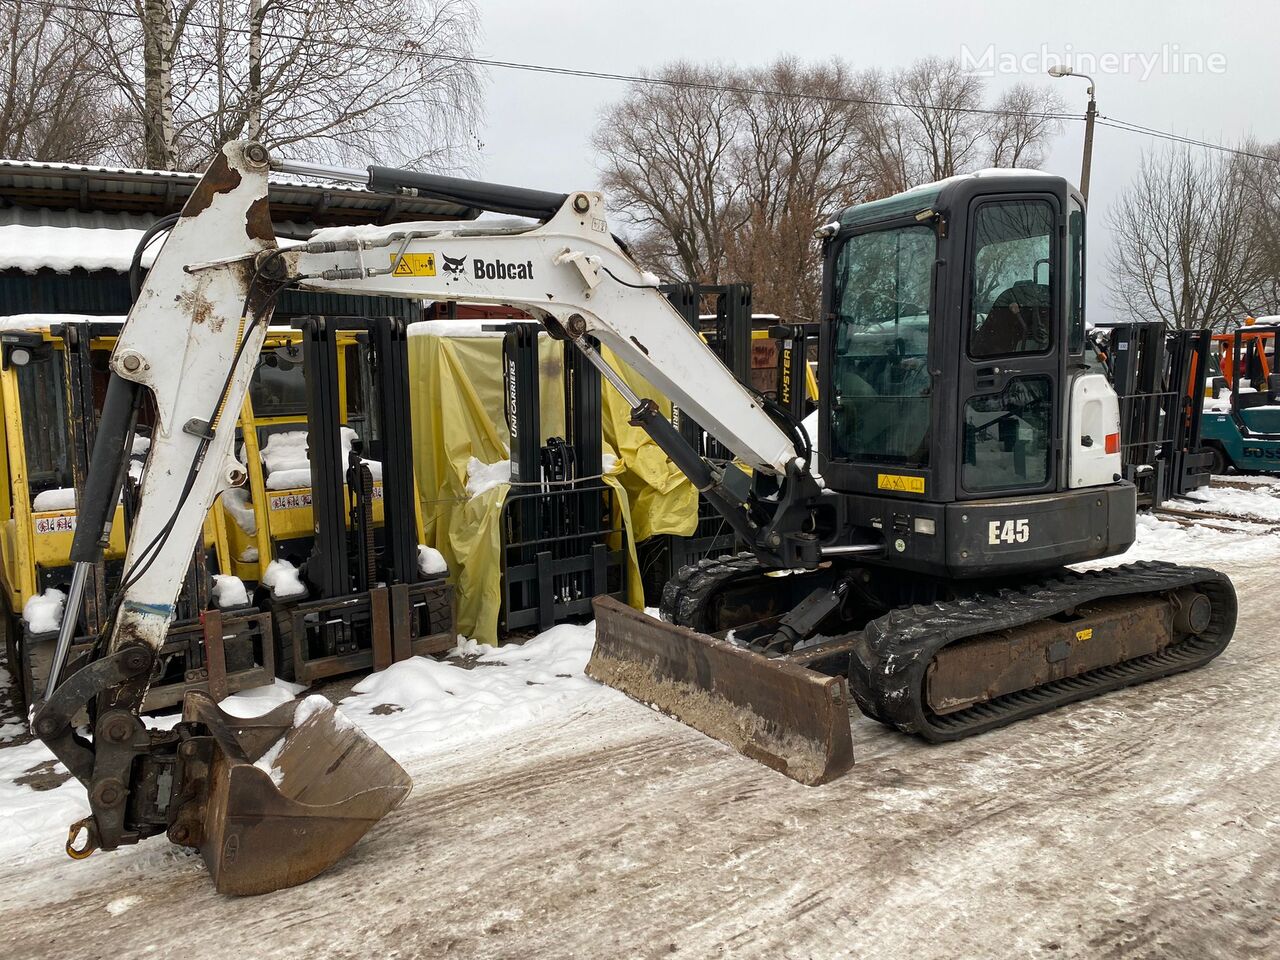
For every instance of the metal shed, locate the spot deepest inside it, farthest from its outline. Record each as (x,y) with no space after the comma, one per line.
(57,256)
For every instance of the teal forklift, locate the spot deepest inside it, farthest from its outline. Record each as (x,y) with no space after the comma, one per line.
(1242,430)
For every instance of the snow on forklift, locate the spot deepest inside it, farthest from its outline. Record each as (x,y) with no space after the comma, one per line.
(1242,429)
(913,556)
(327,524)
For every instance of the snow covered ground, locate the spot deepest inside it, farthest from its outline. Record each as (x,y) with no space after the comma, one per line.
(554,817)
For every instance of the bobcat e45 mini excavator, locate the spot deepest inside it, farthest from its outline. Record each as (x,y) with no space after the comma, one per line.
(913,557)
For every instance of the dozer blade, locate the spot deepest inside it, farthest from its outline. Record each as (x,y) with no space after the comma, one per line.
(280,823)
(786,717)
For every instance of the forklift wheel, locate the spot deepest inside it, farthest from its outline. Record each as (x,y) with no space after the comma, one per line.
(1218,465)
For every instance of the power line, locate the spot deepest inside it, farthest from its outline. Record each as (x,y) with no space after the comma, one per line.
(1103,120)
(1145,131)
(568,71)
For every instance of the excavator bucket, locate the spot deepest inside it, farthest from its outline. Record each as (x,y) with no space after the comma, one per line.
(283,796)
(780,714)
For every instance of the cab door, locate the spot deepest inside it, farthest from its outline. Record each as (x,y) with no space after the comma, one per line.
(1011,348)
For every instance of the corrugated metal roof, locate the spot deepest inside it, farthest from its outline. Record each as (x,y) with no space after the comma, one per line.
(106,293)
(33,238)
(28,183)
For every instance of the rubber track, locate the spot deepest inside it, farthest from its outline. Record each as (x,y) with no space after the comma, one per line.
(686,598)
(892,653)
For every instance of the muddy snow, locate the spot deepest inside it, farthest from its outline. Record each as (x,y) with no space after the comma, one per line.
(552,817)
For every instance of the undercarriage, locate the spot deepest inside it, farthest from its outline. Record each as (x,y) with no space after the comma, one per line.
(939,659)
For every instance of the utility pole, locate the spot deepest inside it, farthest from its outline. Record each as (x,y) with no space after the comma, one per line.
(255,69)
(1087,161)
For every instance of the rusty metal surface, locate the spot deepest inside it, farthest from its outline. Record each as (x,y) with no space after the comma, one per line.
(793,720)
(995,664)
(220,177)
(256,834)
(215,656)
(401,640)
(380,627)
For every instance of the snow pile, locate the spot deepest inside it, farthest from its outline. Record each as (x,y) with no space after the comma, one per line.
(239,504)
(267,762)
(64,498)
(431,561)
(281,578)
(62,242)
(64,247)
(138,456)
(1212,542)
(442,705)
(485,476)
(248,555)
(607,462)
(1219,404)
(43,611)
(285,457)
(1262,502)
(229,591)
(289,479)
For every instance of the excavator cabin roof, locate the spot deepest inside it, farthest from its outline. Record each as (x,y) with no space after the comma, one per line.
(918,199)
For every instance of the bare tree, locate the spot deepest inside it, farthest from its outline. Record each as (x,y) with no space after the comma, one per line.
(1019,132)
(1183,251)
(945,126)
(1261,176)
(725,173)
(336,80)
(53,104)
(799,157)
(670,168)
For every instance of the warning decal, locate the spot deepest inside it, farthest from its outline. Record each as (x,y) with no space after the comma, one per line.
(415,265)
(899,483)
(1085,634)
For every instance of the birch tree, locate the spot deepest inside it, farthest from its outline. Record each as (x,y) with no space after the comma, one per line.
(336,80)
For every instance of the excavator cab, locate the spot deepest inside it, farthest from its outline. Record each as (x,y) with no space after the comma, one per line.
(955,385)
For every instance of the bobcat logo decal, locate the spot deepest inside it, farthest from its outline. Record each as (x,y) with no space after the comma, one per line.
(455,268)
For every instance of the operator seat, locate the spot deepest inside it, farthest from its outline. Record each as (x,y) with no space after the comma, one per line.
(1018,322)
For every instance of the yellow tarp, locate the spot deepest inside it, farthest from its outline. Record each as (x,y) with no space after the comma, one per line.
(456,394)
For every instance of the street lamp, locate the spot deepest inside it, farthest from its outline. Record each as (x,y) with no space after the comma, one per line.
(1060,70)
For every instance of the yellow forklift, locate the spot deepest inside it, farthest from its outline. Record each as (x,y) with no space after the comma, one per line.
(327,527)
(53,374)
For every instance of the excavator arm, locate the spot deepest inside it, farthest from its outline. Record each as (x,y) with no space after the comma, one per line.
(189,345)
(570,273)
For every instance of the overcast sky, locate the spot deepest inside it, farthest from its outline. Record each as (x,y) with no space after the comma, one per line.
(537,128)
